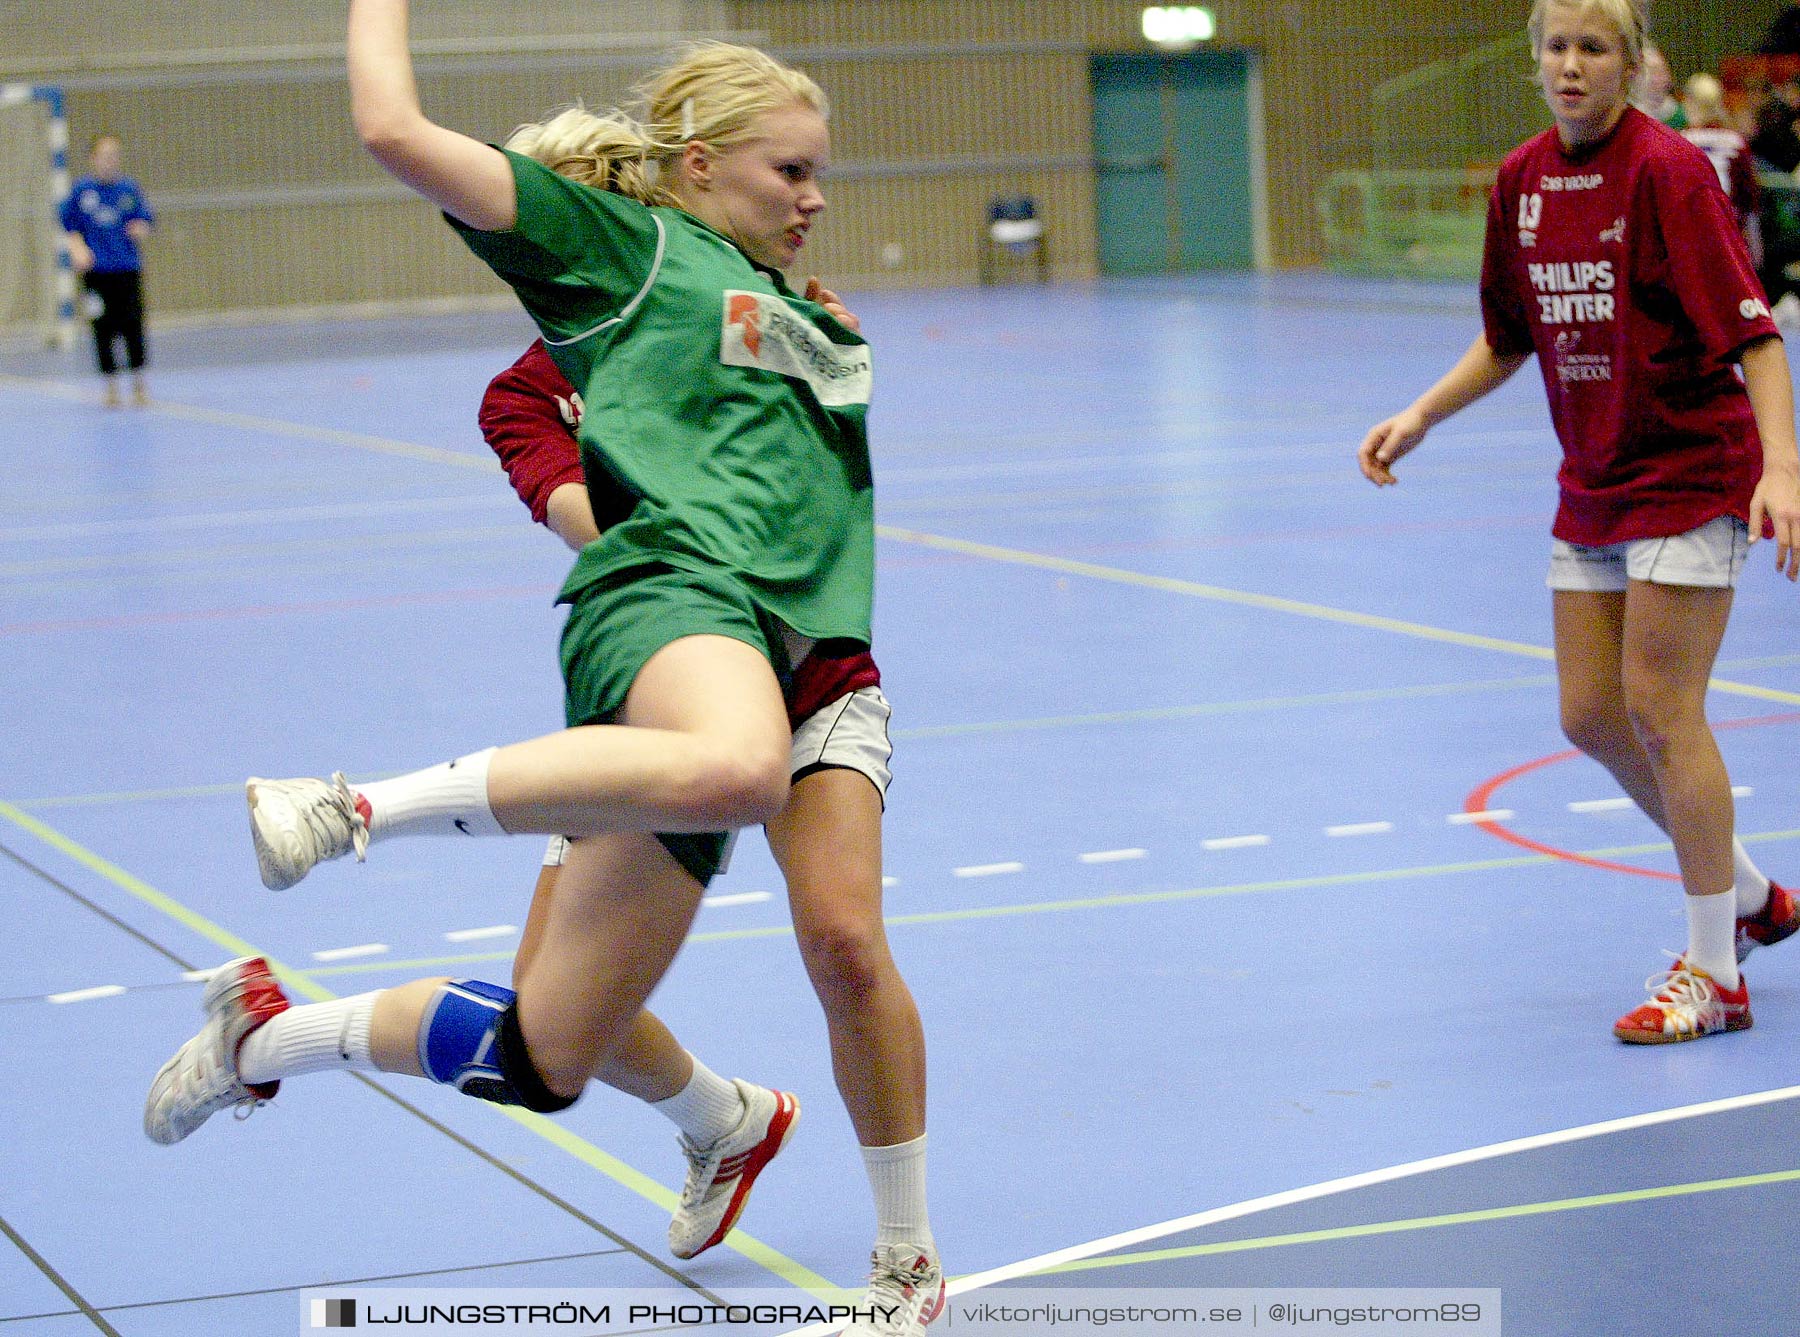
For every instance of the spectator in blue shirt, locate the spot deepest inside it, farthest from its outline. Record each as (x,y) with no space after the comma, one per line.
(104,218)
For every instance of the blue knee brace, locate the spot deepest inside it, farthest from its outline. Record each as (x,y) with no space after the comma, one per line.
(469,1038)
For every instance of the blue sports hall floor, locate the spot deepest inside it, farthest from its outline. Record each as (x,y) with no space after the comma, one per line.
(1225,986)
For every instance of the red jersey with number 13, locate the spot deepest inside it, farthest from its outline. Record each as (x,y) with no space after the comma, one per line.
(1621,266)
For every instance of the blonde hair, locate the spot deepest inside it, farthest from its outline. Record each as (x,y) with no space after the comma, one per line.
(610,152)
(716,91)
(1703,98)
(1628,17)
(713,92)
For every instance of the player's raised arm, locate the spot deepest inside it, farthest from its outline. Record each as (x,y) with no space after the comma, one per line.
(467,179)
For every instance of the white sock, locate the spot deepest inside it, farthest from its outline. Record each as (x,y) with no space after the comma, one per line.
(1712,936)
(310,1039)
(437,801)
(897,1175)
(706,1109)
(1751,886)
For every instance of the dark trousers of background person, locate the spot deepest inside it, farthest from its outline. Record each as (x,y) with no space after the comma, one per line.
(121,297)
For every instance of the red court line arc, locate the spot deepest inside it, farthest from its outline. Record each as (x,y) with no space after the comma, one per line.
(1480,801)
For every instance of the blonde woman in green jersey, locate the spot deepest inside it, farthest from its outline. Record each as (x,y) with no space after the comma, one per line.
(734,410)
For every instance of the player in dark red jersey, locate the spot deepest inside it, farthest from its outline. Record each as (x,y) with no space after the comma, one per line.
(827,840)
(1613,255)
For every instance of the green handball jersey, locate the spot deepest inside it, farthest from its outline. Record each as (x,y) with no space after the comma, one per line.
(731,408)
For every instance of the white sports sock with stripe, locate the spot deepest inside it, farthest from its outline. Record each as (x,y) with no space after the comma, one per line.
(437,801)
(706,1109)
(312,1038)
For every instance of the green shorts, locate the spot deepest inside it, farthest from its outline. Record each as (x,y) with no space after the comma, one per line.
(617,624)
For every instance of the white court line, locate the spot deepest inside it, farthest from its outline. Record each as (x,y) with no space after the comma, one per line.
(1487,815)
(988,869)
(175,559)
(1111,856)
(476,934)
(261,519)
(1360,829)
(1220,594)
(1349,1183)
(82,995)
(1600,805)
(737,898)
(1233,842)
(1742,791)
(245,422)
(890,881)
(346,953)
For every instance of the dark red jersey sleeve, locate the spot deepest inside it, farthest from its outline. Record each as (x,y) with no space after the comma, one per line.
(1709,265)
(1503,315)
(818,681)
(529,415)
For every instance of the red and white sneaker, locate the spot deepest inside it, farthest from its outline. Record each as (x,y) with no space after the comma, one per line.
(202,1078)
(1685,1003)
(906,1291)
(720,1175)
(1777,920)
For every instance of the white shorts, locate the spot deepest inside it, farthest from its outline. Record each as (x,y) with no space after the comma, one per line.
(850,734)
(1709,557)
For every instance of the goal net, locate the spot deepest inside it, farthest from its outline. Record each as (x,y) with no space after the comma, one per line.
(36,287)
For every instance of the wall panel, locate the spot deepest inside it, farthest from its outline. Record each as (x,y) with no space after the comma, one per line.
(236,117)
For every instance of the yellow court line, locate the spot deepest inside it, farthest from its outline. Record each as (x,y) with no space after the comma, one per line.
(794,1273)
(1270,602)
(929,732)
(975,912)
(1097,902)
(1423,1222)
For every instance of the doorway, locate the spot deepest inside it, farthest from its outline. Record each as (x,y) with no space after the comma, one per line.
(1178,157)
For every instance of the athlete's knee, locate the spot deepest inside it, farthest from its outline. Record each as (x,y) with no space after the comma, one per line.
(469,1038)
(846,956)
(1598,727)
(738,785)
(1660,719)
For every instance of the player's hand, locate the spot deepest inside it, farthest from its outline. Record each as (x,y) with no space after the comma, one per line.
(81,259)
(137,229)
(1775,505)
(825,297)
(1386,442)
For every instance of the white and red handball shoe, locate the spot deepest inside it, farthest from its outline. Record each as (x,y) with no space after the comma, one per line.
(906,1292)
(202,1078)
(1685,1003)
(1776,921)
(721,1174)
